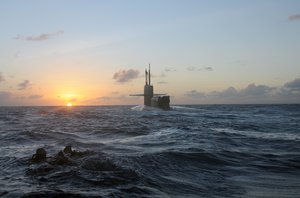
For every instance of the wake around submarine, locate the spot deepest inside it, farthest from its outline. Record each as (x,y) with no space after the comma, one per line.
(161,101)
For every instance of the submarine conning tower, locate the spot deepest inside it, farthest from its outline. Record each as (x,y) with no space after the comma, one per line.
(153,100)
(148,88)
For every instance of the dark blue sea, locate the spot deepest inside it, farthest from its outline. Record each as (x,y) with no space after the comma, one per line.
(136,151)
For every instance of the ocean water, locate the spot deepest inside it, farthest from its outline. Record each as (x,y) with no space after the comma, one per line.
(137,151)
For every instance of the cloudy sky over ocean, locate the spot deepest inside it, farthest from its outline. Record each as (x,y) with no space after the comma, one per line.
(201,52)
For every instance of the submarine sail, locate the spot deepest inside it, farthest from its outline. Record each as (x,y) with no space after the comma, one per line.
(153,100)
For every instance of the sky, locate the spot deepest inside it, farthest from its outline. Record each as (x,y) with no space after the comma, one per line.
(95,52)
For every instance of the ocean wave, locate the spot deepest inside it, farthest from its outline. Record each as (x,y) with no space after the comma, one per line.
(190,151)
(252,133)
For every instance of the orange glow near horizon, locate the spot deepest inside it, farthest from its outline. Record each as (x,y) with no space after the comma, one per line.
(69,98)
(79,95)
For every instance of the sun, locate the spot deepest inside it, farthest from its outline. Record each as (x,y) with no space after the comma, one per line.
(69,104)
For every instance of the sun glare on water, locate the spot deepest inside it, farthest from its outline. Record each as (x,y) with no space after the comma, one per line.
(69,104)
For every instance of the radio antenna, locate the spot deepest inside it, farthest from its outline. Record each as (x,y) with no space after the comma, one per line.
(149,75)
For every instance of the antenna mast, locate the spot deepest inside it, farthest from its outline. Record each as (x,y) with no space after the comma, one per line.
(146,77)
(149,75)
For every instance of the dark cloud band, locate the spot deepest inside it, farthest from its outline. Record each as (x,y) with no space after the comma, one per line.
(192,68)
(295,17)
(24,85)
(123,76)
(41,37)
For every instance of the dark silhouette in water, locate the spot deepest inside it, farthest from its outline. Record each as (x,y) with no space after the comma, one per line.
(61,158)
(39,156)
(94,168)
(68,150)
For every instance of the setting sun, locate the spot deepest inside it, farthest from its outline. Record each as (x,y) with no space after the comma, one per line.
(69,104)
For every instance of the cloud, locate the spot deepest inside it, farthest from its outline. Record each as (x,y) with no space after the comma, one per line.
(250,90)
(207,68)
(162,82)
(260,90)
(123,76)
(2,79)
(251,94)
(41,37)
(294,17)
(229,92)
(192,68)
(33,97)
(194,94)
(170,70)
(24,85)
(293,86)
(290,91)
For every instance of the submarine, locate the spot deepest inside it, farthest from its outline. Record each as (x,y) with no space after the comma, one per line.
(161,101)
